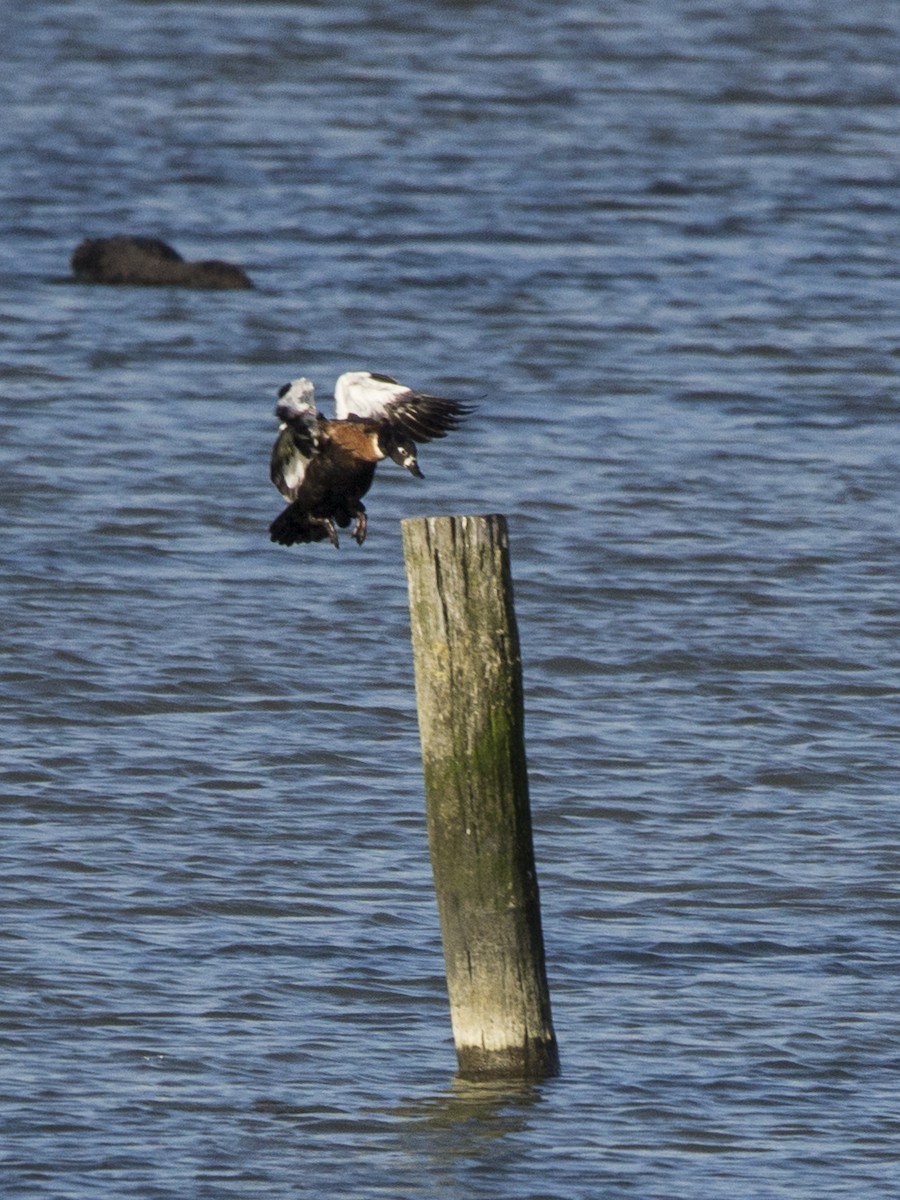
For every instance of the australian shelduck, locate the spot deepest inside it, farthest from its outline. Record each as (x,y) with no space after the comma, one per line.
(323,467)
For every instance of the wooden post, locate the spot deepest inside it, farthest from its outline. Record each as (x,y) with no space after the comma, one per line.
(471,723)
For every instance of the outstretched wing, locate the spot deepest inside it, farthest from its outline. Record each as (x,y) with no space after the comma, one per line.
(291,456)
(365,396)
(298,437)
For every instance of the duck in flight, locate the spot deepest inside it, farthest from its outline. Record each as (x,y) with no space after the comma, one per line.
(323,467)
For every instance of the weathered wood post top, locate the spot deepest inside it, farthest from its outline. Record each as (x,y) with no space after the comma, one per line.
(471,723)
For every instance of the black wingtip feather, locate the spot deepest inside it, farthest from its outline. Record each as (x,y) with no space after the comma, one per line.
(423,418)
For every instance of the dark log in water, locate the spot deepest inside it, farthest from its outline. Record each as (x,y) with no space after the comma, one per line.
(150,262)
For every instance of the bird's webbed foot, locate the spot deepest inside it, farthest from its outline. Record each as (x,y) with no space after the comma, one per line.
(328,525)
(359,529)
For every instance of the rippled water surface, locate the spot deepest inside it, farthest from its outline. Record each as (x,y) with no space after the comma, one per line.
(660,240)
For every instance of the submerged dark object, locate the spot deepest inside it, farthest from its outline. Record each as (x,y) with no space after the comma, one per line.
(150,262)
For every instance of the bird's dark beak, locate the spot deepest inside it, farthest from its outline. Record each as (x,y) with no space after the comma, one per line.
(404,455)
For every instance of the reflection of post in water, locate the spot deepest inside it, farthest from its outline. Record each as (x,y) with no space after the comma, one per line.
(472,1114)
(471,722)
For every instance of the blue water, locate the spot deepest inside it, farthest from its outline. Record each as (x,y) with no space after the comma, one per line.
(659,240)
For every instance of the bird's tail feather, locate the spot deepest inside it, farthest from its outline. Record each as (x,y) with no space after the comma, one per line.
(292,526)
